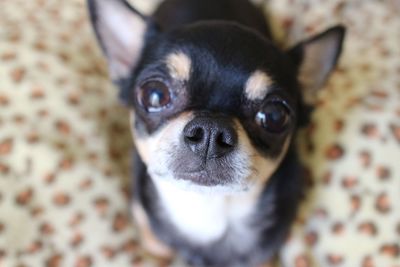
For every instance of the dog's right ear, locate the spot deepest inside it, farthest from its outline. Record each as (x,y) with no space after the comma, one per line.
(122,33)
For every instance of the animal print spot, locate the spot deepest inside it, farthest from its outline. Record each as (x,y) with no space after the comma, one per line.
(2,227)
(338,125)
(338,228)
(365,158)
(334,152)
(86,184)
(64,57)
(391,250)
(395,131)
(73,99)
(61,199)
(370,130)
(84,261)
(63,127)
(379,94)
(353,101)
(4,169)
(368,262)
(40,46)
(19,119)
(327,178)
(8,56)
(43,113)
(115,154)
(24,197)
(311,238)
(137,260)
(368,228)
(49,178)
(120,222)
(382,203)
(355,201)
(2,253)
(6,146)
(46,229)
(321,213)
(18,74)
(349,182)
(302,261)
(37,93)
(32,138)
(36,211)
(77,219)
(101,205)
(130,246)
(334,259)
(76,240)
(35,247)
(54,261)
(4,101)
(398,228)
(66,164)
(383,173)
(287,23)
(108,252)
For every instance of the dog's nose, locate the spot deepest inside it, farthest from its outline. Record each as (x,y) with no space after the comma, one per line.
(210,137)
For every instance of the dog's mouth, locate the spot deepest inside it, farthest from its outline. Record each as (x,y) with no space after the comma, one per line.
(205,177)
(214,172)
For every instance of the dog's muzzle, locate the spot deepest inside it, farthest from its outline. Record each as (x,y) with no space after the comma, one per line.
(207,151)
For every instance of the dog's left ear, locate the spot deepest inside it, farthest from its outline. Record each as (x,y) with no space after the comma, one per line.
(122,33)
(315,59)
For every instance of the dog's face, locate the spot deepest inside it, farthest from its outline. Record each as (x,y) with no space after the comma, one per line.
(214,104)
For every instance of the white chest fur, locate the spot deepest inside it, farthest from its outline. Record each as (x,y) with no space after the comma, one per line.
(203,216)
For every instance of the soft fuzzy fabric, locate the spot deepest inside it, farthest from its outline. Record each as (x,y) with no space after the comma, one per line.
(65,143)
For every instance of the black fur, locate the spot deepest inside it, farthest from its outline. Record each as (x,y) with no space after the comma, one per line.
(226,41)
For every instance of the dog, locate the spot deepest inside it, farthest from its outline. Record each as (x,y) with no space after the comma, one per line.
(215,107)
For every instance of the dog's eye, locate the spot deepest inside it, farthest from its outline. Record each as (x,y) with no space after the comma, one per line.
(154,96)
(274,117)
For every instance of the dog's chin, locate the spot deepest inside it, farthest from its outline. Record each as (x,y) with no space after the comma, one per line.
(188,183)
(205,177)
(202,182)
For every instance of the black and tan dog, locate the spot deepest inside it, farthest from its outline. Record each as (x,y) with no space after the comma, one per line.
(215,109)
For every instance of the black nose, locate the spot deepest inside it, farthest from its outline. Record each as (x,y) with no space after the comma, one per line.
(210,137)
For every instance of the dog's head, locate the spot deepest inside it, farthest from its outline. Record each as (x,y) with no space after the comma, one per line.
(214,104)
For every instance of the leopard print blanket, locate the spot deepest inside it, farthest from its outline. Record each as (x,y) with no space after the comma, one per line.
(65,142)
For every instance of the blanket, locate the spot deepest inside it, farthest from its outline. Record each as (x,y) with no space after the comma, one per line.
(65,143)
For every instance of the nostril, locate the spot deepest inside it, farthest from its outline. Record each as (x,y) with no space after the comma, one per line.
(195,135)
(225,141)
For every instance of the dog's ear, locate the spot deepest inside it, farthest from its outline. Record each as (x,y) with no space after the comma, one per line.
(315,59)
(122,32)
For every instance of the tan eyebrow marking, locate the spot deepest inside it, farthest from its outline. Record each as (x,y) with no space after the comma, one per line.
(257,85)
(179,66)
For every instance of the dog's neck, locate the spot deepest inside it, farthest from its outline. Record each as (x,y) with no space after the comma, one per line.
(205,217)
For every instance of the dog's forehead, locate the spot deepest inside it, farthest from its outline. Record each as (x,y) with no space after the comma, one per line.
(220,83)
(226,58)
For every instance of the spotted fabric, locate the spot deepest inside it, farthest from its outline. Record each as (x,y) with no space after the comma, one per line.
(65,143)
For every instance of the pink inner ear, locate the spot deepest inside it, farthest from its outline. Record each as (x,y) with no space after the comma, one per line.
(320,56)
(121,32)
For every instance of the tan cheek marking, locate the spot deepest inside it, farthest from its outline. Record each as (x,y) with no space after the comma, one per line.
(257,85)
(263,167)
(179,66)
(149,146)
